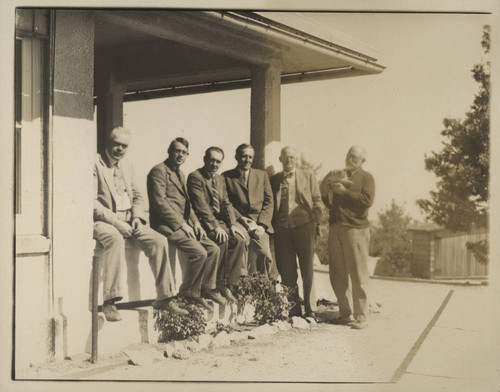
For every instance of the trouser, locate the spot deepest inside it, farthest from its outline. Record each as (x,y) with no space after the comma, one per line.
(199,271)
(260,257)
(231,258)
(348,256)
(290,243)
(112,258)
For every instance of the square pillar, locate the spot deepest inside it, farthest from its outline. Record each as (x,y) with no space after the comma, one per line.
(265,117)
(109,103)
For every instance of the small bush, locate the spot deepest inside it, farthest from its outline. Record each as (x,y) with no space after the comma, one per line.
(270,304)
(173,326)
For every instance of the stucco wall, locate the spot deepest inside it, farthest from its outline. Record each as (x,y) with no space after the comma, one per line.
(74,144)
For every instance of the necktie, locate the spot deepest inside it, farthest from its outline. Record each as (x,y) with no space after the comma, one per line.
(215,194)
(283,210)
(245,178)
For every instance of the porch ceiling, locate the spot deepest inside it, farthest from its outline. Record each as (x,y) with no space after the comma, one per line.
(163,53)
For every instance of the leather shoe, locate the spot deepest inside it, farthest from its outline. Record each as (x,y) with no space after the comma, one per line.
(110,312)
(170,305)
(342,320)
(226,293)
(295,311)
(199,301)
(214,295)
(359,324)
(310,314)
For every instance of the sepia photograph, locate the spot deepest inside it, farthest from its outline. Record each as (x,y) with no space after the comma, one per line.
(273,196)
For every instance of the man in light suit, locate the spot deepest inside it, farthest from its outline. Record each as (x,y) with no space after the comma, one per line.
(118,217)
(171,214)
(297,212)
(250,194)
(208,194)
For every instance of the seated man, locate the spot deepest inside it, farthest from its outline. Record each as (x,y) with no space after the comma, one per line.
(250,194)
(208,194)
(171,214)
(118,217)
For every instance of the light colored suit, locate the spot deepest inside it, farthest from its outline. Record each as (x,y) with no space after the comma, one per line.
(112,241)
(254,201)
(169,209)
(294,235)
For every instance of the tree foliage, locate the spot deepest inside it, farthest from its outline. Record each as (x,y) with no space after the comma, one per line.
(460,202)
(390,239)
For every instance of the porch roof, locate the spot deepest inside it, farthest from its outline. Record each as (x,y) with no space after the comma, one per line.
(164,53)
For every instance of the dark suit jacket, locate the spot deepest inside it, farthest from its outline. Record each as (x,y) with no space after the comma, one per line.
(200,191)
(307,196)
(256,201)
(105,193)
(169,203)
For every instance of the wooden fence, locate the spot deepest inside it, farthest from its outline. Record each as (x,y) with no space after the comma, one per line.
(443,254)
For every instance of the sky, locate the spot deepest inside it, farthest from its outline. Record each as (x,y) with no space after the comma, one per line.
(397,115)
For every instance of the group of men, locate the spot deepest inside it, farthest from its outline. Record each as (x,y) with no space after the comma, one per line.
(222,224)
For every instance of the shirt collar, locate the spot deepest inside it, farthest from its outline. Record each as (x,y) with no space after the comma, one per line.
(110,161)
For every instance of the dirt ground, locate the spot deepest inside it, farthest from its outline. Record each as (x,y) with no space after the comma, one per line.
(335,354)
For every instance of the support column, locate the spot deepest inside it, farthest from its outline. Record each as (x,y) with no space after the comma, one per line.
(265,117)
(109,105)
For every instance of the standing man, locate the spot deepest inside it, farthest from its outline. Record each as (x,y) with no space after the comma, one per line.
(208,194)
(119,217)
(349,237)
(250,194)
(171,214)
(297,212)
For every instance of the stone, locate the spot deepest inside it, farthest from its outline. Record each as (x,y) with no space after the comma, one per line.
(237,335)
(169,349)
(222,339)
(193,346)
(139,358)
(181,354)
(299,322)
(180,345)
(205,341)
(282,325)
(311,320)
(261,330)
(248,313)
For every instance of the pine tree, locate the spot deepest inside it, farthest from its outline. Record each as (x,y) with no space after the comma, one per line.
(460,202)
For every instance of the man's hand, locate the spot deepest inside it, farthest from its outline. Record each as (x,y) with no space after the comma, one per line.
(188,230)
(137,226)
(339,188)
(124,228)
(220,235)
(200,233)
(258,231)
(246,221)
(234,230)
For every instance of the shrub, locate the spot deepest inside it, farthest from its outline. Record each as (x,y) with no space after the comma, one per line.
(219,327)
(391,240)
(173,326)
(259,291)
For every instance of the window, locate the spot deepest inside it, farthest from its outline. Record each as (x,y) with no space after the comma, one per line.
(31,114)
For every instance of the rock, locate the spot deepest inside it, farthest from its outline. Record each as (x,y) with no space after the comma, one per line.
(181,354)
(193,346)
(265,329)
(311,320)
(204,341)
(240,319)
(299,322)
(169,349)
(248,313)
(282,325)
(237,335)
(180,345)
(222,339)
(139,358)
